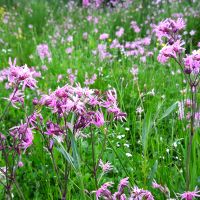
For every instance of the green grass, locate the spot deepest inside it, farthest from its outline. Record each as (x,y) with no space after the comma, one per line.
(149,135)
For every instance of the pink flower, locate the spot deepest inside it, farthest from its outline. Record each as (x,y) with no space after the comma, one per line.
(69,50)
(139,194)
(85,35)
(120,193)
(17,96)
(103,51)
(91,80)
(123,183)
(105,167)
(44,67)
(24,134)
(98,119)
(85,3)
(22,75)
(190,195)
(53,129)
(20,164)
(98,3)
(104,192)
(34,119)
(43,51)
(192,32)
(170,51)
(192,63)
(168,27)
(70,38)
(181,110)
(104,36)
(120,32)
(135,27)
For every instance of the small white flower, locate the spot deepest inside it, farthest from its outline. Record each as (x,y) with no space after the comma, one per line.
(139,110)
(175,144)
(128,155)
(126,145)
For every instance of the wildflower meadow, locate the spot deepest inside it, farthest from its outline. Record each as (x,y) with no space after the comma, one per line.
(99,99)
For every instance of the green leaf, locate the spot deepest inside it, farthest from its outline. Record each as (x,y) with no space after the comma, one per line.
(153,171)
(67,156)
(75,152)
(169,110)
(146,127)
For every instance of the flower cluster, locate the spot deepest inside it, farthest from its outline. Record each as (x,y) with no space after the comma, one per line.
(169,29)
(85,103)
(104,192)
(134,194)
(190,195)
(192,63)
(43,52)
(18,78)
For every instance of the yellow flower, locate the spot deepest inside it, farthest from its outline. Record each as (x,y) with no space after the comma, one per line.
(19,34)
(163,44)
(109,40)
(2,12)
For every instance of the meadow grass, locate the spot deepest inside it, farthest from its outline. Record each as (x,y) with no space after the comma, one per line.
(156,141)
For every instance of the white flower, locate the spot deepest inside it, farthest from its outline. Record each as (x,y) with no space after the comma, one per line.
(128,155)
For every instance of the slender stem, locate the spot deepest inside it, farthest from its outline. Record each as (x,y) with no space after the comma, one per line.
(67,167)
(19,190)
(103,149)
(56,170)
(192,131)
(94,159)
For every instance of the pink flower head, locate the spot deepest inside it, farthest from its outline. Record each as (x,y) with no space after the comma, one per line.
(72,75)
(105,167)
(103,191)
(70,38)
(181,110)
(53,129)
(168,27)
(163,189)
(43,51)
(20,164)
(34,119)
(24,134)
(98,3)
(17,96)
(190,195)
(139,194)
(123,183)
(120,32)
(115,44)
(102,50)
(85,3)
(120,193)
(135,27)
(91,80)
(98,119)
(170,51)
(104,36)
(85,35)
(23,75)
(192,63)
(69,50)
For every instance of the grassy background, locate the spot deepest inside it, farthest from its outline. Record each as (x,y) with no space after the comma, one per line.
(53,20)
